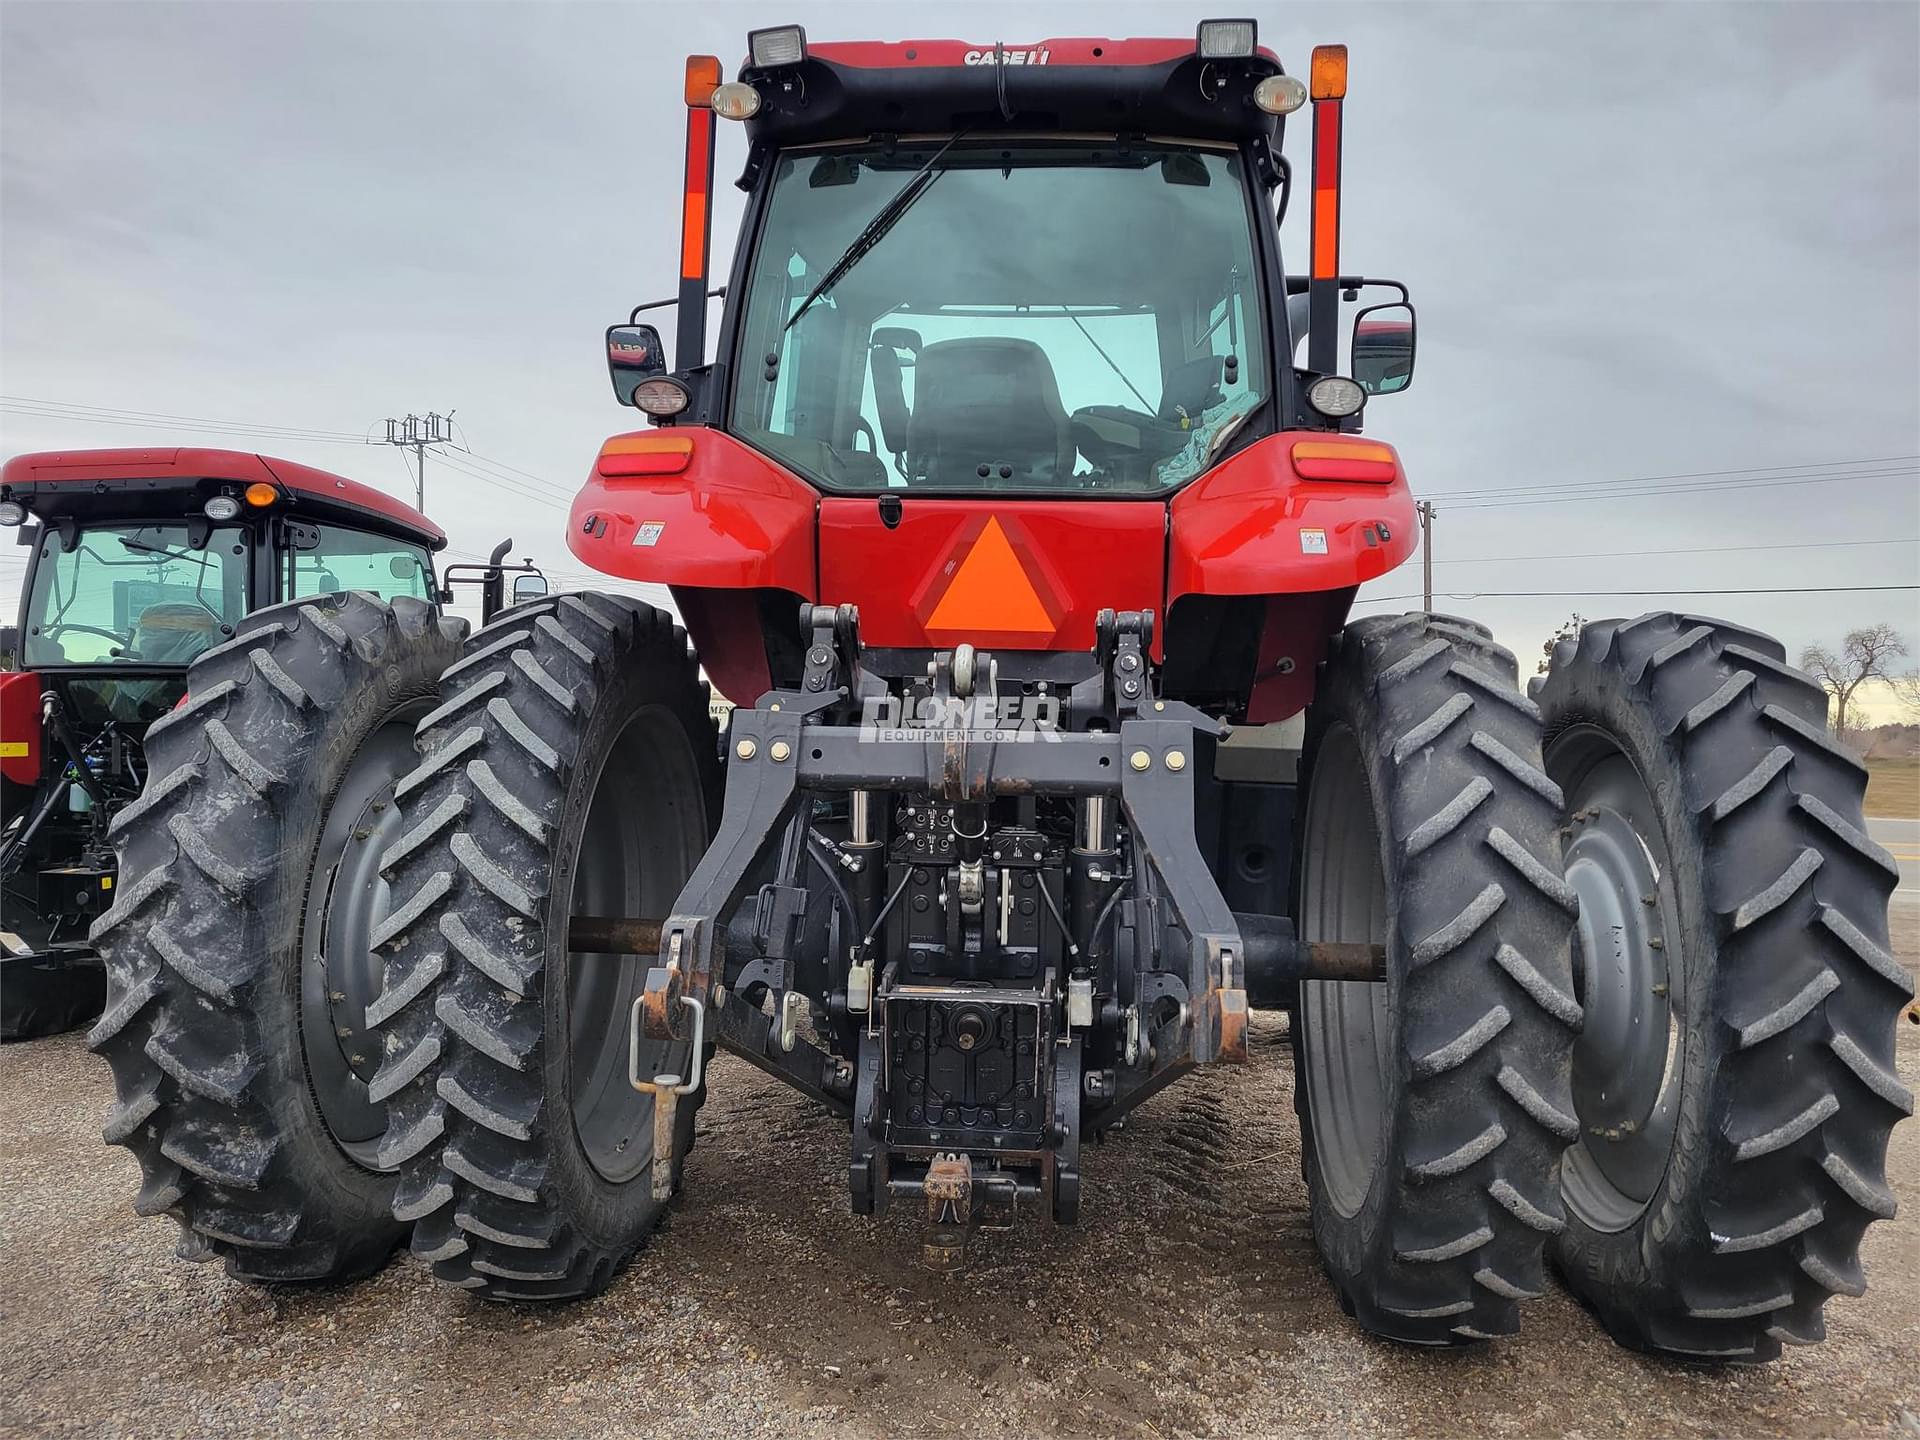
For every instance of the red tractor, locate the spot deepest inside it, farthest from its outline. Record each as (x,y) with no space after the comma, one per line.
(1019,508)
(143,561)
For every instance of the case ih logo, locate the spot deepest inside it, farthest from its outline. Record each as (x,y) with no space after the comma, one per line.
(1008,57)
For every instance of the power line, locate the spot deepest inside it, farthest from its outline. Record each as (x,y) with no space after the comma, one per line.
(507,472)
(78,411)
(545,488)
(1601,493)
(1757,471)
(514,470)
(260,430)
(512,487)
(465,445)
(191,428)
(1681,550)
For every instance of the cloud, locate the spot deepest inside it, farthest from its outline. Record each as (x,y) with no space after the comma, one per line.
(1643,239)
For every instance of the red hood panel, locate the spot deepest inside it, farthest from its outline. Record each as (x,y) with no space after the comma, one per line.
(1003,575)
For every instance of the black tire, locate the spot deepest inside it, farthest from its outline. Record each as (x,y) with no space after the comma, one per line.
(221,858)
(1433,1107)
(49,994)
(1779,1088)
(574,730)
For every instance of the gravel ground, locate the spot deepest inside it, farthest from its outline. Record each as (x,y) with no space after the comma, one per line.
(1189,1302)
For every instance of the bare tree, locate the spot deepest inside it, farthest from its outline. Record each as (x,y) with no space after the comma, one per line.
(1864,655)
(1906,689)
(1569,630)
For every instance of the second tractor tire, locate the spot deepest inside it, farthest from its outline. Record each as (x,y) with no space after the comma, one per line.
(1434,1106)
(49,995)
(570,769)
(1736,913)
(235,954)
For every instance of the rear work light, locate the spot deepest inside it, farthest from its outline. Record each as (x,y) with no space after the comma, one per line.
(221,507)
(781,45)
(1363,460)
(661,397)
(12,513)
(1226,39)
(735,101)
(1336,396)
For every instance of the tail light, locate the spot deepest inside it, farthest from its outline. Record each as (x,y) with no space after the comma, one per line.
(644,455)
(1367,461)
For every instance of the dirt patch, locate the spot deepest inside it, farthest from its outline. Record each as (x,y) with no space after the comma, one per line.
(1189,1302)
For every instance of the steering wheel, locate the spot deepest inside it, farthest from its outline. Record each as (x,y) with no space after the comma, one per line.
(60,627)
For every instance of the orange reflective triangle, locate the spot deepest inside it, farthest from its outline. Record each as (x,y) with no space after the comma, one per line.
(991,591)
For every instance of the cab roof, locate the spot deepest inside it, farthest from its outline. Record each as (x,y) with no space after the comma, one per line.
(854,89)
(59,481)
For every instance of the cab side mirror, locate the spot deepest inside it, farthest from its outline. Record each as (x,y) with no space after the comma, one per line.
(634,353)
(1382,351)
(529,587)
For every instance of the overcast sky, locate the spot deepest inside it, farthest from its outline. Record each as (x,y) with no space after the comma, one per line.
(1645,240)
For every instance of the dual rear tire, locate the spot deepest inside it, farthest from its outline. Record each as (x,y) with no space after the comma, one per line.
(238,973)
(1689,1108)
(1433,1107)
(569,769)
(340,1005)
(1736,1081)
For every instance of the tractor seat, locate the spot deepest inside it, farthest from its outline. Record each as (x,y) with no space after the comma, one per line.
(991,401)
(172,633)
(167,634)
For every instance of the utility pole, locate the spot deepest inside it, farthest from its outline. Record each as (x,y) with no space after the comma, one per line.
(1426,555)
(420,431)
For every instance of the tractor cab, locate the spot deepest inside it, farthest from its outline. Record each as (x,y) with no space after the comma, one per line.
(143,559)
(1008,341)
(140,561)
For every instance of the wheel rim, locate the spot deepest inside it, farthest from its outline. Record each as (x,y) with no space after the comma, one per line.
(633,860)
(1629,1059)
(339,973)
(1346,1033)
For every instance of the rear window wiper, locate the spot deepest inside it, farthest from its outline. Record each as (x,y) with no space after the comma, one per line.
(876,228)
(162,551)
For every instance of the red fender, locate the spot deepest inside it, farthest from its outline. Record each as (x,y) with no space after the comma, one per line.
(692,506)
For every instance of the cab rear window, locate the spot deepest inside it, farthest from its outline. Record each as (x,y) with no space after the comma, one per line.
(348,559)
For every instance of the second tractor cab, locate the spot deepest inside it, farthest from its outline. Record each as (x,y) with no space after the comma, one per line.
(141,561)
